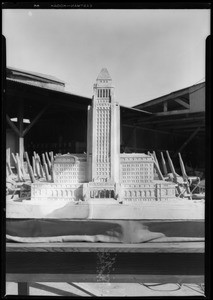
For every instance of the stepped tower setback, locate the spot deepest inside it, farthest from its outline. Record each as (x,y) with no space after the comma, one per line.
(103,137)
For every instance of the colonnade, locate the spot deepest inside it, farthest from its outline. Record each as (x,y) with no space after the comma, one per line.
(102,194)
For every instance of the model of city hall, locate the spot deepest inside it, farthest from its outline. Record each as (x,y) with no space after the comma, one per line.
(103,172)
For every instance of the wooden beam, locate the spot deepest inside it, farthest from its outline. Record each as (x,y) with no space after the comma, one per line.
(20,118)
(165,106)
(21,128)
(162,121)
(12,125)
(173,112)
(35,120)
(92,277)
(151,129)
(195,246)
(183,103)
(187,141)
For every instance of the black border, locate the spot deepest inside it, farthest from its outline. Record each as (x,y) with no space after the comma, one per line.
(111,5)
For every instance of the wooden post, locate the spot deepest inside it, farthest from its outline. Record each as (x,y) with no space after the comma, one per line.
(34,166)
(187,141)
(156,160)
(164,164)
(165,107)
(171,165)
(52,165)
(45,167)
(185,177)
(41,169)
(173,172)
(37,166)
(21,129)
(8,161)
(7,170)
(23,173)
(48,162)
(158,171)
(29,168)
(35,120)
(183,170)
(14,158)
(20,177)
(12,125)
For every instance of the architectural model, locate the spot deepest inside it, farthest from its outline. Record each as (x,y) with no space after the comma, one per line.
(104,172)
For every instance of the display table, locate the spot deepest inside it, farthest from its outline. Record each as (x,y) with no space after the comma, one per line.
(152,262)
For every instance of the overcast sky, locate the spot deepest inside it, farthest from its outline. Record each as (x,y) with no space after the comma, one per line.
(148,53)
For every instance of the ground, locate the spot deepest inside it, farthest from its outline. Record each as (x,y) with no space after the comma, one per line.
(108,289)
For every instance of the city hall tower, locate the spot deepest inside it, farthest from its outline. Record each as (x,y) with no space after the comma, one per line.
(103,135)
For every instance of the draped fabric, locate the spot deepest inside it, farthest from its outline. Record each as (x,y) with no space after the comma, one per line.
(108,231)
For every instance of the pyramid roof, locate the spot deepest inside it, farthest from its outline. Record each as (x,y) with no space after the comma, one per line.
(104,74)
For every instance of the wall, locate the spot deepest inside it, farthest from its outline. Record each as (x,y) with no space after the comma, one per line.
(197,99)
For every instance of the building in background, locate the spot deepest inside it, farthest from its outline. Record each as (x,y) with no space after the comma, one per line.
(38,112)
(176,124)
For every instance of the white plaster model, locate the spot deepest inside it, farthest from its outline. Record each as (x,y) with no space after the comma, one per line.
(103,172)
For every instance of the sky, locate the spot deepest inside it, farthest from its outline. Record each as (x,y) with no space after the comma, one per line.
(148,53)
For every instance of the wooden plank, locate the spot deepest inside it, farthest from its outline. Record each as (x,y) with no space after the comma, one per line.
(183,247)
(133,278)
(191,117)
(92,263)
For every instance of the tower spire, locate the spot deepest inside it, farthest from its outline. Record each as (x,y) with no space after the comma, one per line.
(104,74)
(104,131)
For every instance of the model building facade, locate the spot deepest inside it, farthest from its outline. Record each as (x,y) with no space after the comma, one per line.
(103,139)
(103,172)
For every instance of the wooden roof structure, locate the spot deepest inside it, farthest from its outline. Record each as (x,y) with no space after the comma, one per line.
(26,100)
(29,97)
(175,113)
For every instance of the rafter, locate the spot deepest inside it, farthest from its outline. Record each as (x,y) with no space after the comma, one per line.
(183,103)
